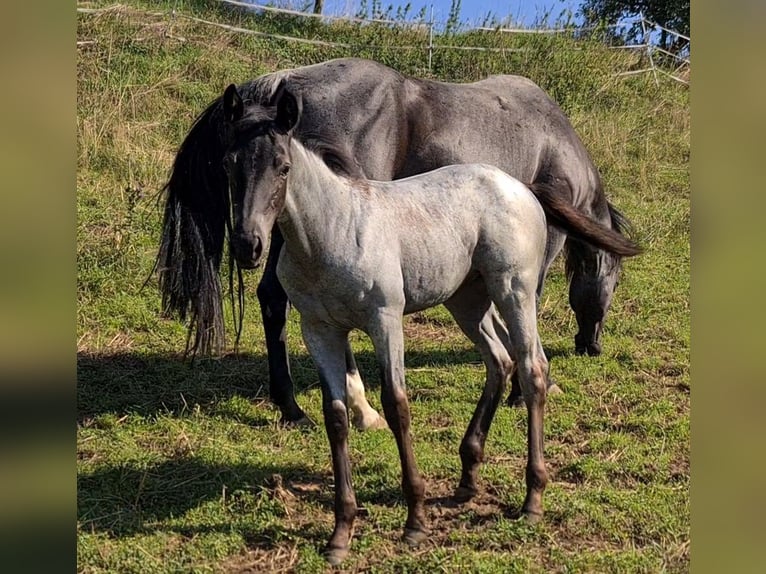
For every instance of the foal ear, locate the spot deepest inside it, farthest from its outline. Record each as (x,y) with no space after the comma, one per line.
(289,109)
(233,107)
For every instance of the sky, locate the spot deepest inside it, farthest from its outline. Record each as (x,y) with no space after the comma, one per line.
(472,12)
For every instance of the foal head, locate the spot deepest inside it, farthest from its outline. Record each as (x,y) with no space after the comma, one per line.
(257,162)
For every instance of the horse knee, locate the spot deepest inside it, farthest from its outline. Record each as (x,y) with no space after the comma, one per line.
(270,293)
(471,451)
(535,381)
(393,397)
(536,475)
(505,369)
(336,420)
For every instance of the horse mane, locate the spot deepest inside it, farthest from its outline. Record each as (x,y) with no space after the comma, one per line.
(333,153)
(197,220)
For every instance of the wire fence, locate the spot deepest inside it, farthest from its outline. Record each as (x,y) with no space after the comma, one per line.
(672,64)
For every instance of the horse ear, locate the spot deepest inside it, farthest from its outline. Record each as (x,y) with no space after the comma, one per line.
(233,107)
(289,109)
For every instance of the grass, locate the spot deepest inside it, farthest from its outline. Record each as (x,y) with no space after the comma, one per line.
(183,468)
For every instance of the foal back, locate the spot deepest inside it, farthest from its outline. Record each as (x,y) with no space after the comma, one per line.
(456,222)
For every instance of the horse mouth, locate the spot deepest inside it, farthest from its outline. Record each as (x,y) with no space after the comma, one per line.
(248,254)
(249,264)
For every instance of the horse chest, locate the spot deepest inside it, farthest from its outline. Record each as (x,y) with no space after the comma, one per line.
(337,295)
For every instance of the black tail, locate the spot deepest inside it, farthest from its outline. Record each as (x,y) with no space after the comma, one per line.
(562,214)
(193,233)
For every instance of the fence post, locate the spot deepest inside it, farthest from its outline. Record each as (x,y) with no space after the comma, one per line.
(648,43)
(431,38)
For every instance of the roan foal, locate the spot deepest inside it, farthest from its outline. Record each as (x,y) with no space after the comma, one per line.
(361,254)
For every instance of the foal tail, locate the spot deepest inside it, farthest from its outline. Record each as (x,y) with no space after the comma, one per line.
(562,214)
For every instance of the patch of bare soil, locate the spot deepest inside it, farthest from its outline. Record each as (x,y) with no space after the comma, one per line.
(308,509)
(421,327)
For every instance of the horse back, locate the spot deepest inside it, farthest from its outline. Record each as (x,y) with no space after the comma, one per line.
(507,121)
(455,221)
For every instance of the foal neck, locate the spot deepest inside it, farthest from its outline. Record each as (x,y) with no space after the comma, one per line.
(318,207)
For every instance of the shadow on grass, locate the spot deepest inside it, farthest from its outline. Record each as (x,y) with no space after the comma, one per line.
(122,500)
(126,500)
(147,384)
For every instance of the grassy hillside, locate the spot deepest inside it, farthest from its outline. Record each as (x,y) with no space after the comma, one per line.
(185,469)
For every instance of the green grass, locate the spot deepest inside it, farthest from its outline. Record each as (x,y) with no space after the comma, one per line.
(184,468)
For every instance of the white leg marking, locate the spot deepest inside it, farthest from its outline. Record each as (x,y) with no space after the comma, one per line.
(364,416)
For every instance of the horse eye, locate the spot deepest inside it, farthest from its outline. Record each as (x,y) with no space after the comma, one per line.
(284,170)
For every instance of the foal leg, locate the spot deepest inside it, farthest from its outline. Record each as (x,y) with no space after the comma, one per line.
(515,397)
(553,246)
(327,347)
(274,310)
(517,306)
(476,316)
(365,417)
(388,339)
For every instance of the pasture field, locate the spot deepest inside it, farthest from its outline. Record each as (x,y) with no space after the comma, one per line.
(184,468)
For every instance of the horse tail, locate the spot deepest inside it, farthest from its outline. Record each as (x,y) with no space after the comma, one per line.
(562,214)
(196,217)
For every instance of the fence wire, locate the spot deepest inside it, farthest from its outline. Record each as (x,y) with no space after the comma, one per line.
(648,27)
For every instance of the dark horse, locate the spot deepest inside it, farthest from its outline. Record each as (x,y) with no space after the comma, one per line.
(367,120)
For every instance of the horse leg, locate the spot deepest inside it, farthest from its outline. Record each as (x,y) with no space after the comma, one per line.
(327,347)
(274,310)
(388,339)
(476,316)
(365,417)
(517,307)
(553,246)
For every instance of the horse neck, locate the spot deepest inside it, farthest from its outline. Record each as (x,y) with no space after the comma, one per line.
(317,206)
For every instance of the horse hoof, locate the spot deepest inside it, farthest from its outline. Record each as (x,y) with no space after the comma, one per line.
(464,494)
(591,349)
(554,389)
(531,517)
(515,400)
(414,536)
(303,422)
(335,556)
(371,423)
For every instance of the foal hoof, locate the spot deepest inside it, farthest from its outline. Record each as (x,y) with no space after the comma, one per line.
(335,556)
(464,494)
(414,536)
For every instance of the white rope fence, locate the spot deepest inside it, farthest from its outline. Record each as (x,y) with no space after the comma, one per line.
(648,27)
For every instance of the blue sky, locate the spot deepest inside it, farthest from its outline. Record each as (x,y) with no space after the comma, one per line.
(524,12)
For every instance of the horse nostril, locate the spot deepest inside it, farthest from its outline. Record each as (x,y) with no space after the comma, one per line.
(257,249)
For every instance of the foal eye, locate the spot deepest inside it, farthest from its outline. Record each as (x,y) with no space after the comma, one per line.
(284,170)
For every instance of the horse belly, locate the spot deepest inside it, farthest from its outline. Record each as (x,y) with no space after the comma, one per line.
(432,273)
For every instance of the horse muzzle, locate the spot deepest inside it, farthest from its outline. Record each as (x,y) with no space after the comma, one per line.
(590,346)
(247,251)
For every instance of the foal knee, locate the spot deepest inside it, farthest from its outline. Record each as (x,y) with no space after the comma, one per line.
(394,400)
(335,420)
(535,383)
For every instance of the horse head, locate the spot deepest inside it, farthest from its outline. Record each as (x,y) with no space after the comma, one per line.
(257,163)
